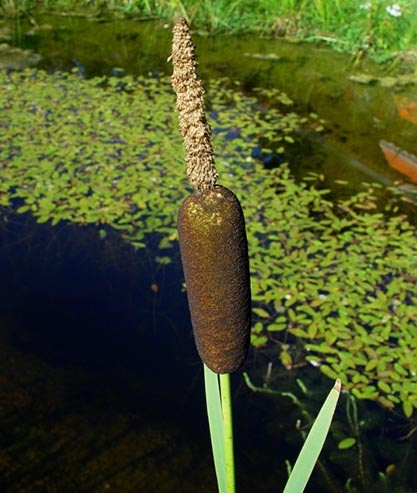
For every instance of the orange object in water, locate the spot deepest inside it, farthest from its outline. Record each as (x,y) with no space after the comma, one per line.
(407,109)
(400,160)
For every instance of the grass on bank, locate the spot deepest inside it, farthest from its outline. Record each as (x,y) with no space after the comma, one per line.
(377,27)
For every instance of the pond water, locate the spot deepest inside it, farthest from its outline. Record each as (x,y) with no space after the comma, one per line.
(358,114)
(101,387)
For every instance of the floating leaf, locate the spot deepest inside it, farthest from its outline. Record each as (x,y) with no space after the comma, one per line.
(408,409)
(371,365)
(328,371)
(258,341)
(384,386)
(286,359)
(346,443)
(260,312)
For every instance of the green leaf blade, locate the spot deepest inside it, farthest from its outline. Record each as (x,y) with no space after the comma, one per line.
(314,443)
(215,417)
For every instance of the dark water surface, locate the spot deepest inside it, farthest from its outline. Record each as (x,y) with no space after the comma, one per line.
(101,388)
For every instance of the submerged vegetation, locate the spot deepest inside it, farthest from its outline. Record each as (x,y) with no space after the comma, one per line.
(378,27)
(333,283)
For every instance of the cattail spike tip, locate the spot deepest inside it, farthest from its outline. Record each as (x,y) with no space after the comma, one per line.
(199,157)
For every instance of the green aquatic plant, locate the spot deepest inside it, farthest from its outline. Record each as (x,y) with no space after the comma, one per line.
(106,132)
(314,442)
(211,229)
(345,286)
(333,282)
(214,254)
(219,412)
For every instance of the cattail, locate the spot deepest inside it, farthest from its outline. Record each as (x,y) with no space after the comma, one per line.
(214,254)
(199,157)
(211,229)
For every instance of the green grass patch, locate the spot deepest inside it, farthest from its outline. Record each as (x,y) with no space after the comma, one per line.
(378,27)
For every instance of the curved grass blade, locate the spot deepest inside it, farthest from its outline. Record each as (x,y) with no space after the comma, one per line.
(314,443)
(215,417)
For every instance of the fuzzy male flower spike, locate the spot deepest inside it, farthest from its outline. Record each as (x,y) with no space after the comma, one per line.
(201,172)
(211,230)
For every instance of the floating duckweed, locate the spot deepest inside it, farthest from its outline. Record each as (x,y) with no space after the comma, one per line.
(337,279)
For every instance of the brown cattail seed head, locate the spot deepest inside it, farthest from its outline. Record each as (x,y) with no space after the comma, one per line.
(201,172)
(211,229)
(214,254)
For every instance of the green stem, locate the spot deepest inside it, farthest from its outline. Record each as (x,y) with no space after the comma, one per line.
(228,431)
(215,417)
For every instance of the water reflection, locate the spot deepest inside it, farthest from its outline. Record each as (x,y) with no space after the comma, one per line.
(358,114)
